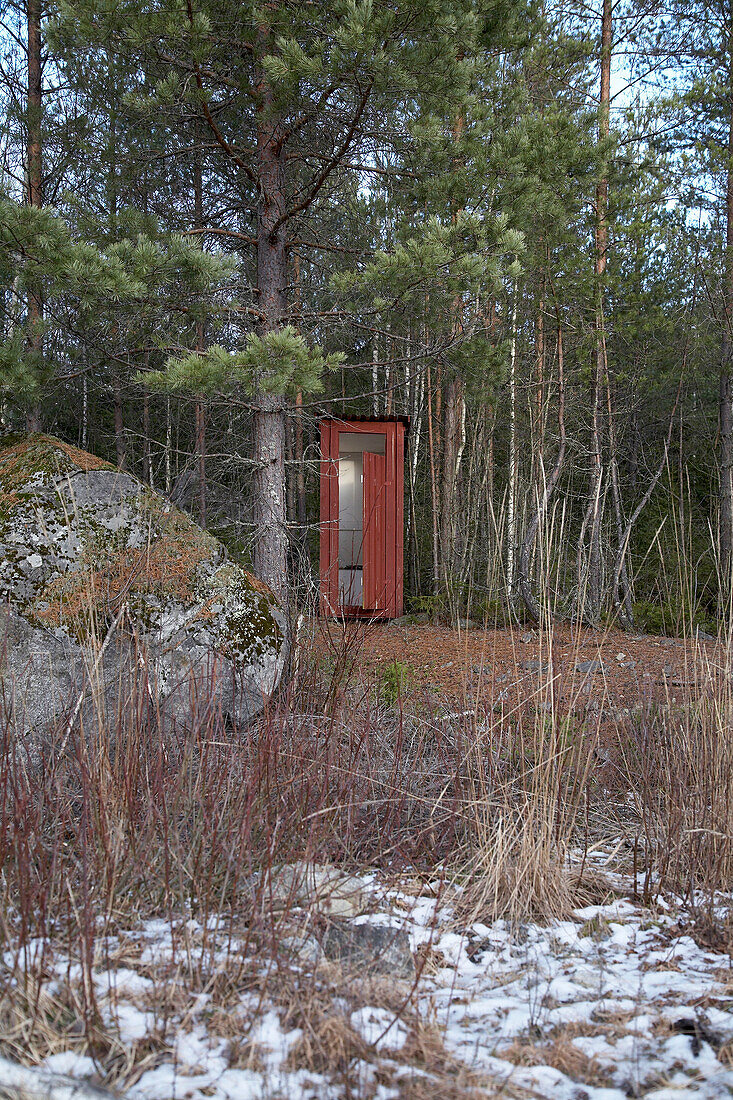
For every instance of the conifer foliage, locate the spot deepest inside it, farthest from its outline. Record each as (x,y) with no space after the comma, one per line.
(505,220)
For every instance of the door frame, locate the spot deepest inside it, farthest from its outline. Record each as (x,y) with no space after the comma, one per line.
(394,432)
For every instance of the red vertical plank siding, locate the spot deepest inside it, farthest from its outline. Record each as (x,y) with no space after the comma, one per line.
(383,531)
(373,519)
(397,607)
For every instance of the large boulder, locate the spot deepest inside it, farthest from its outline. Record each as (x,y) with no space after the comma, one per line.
(104,584)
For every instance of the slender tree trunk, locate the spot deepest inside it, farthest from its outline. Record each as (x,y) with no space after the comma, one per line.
(628,612)
(533,605)
(84,411)
(593,593)
(433,489)
(389,345)
(300,497)
(268,503)
(511,535)
(34,174)
(454,439)
(726,381)
(200,449)
(454,428)
(147,465)
(120,441)
(200,409)
(168,447)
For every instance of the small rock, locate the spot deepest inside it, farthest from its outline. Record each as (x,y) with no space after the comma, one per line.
(304,947)
(536,666)
(620,656)
(527,638)
(322,886)
(589,667)
(374,948)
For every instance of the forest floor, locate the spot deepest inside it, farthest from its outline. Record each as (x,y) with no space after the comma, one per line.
(601,674)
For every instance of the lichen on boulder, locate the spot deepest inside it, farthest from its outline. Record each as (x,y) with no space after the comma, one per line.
(89,554)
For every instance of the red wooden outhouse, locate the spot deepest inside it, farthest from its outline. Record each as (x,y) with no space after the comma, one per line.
(362,502)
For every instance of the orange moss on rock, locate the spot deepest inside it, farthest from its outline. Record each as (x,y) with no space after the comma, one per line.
(166,568)
(23,456)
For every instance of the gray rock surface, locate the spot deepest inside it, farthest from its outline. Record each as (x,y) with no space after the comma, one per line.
(589,667)
(369,947)
(320,886)
(103,582)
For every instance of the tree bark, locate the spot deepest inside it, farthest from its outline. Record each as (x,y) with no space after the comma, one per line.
(532,604)
(433,489)
(34,175)
(147,465)
(593,589)
(454,438)
(726,380)
(200,409)
(120,441)
(511,534)
(269,556)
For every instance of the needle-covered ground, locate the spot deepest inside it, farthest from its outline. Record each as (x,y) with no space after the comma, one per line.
(604,673)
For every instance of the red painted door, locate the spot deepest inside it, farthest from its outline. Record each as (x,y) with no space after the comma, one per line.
(374,498)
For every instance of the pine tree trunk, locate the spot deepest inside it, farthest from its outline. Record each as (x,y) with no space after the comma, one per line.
(200,449)
(593,593)
(168,447)
(200,408)
(199,445)
(454,429)
(147,465)
(533,605)
(300,497)
(120,442)
(269,556)
(726,384)
(511,534)
(433,489)
(34,170)
(84,411)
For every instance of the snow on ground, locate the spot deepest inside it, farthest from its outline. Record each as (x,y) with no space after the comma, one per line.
(614,1003)
(611,985)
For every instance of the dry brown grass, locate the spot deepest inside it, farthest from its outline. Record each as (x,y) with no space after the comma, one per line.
(559,1053)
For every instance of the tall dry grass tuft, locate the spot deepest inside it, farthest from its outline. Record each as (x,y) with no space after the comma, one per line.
(679,763)
(530,772)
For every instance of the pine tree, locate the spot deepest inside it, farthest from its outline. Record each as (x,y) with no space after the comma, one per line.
(292,98)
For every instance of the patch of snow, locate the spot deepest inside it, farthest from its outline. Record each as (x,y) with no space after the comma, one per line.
(379,1028)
